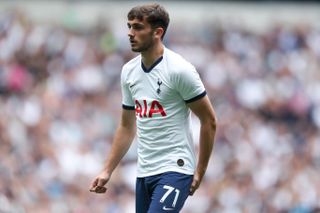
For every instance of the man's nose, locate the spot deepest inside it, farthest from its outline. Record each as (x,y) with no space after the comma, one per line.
(130,33)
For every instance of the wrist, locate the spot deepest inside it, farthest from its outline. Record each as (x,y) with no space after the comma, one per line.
(106,172)
(201,171)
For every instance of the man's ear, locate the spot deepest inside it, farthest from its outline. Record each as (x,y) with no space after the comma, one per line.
(158,32)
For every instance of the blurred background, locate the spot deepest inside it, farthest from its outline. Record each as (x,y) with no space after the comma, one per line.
(60,103)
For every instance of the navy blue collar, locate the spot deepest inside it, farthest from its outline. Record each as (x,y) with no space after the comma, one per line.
(152,66)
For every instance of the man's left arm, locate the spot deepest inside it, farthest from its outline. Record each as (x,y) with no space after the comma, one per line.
(203,109)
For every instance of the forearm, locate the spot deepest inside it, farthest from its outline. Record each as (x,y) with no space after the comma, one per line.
(207,133)
(121,143)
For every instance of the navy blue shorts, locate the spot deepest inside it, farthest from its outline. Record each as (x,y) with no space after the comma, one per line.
(162,193)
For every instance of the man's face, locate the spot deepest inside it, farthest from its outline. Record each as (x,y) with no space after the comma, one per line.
(140,35)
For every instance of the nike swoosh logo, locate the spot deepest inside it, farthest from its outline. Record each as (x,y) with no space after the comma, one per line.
(167,209)
(132,85)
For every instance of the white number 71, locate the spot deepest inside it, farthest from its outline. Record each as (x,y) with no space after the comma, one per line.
(169,190)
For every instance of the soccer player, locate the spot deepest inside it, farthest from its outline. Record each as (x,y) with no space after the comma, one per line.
(159,88)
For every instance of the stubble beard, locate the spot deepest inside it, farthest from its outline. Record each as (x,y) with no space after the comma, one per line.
(145,46)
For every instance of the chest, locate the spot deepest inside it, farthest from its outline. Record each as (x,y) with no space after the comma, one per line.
(153,93)
(155,85)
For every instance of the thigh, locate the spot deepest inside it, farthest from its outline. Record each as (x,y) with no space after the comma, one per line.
(142,196)
(170,193)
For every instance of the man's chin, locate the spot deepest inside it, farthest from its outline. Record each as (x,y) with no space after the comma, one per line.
(135,50)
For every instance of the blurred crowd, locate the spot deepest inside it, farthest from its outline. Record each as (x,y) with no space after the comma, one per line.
(60,102)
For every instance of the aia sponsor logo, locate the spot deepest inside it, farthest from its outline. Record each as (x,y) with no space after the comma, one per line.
(149,109)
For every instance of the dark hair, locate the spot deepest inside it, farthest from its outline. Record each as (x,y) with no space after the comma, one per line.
(155,15)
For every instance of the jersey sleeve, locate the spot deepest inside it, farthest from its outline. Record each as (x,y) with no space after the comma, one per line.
(189,85)
(127,101)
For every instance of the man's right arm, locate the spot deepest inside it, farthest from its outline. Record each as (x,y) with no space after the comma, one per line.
(121,143)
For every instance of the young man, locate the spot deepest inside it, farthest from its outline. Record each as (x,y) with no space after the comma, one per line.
(159,88)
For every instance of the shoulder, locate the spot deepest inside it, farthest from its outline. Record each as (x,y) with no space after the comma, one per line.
(129,67)
(132,64)
(179,67)
(177,63)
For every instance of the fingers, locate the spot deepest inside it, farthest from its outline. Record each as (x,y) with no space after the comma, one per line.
(98,189)
(102,182)
(97,186)
(194,186)
(192,189)
(94,183)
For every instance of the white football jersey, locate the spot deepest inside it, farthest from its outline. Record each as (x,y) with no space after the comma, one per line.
(159,96)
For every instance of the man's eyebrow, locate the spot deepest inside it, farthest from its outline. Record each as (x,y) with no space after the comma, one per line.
(135,24)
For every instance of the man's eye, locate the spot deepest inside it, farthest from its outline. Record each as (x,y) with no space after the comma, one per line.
(137,27)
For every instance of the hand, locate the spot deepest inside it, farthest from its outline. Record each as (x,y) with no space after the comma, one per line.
(195,183)
(98,184)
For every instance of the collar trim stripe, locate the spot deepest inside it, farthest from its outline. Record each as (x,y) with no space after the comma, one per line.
(152,66)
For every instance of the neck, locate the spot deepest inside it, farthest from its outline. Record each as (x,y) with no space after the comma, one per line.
(151,55)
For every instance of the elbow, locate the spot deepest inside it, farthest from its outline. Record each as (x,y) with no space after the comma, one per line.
(213,123)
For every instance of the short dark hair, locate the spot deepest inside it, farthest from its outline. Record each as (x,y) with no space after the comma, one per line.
(155,15)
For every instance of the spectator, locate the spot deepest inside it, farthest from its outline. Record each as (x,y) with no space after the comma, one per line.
(55,122)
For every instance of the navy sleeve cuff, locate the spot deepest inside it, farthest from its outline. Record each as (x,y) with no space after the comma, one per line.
(196,98)
(128,107)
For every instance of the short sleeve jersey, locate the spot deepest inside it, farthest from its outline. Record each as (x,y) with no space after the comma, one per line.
(159,95)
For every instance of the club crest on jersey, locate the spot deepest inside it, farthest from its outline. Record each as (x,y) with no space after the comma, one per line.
(149,109)
(159,84)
